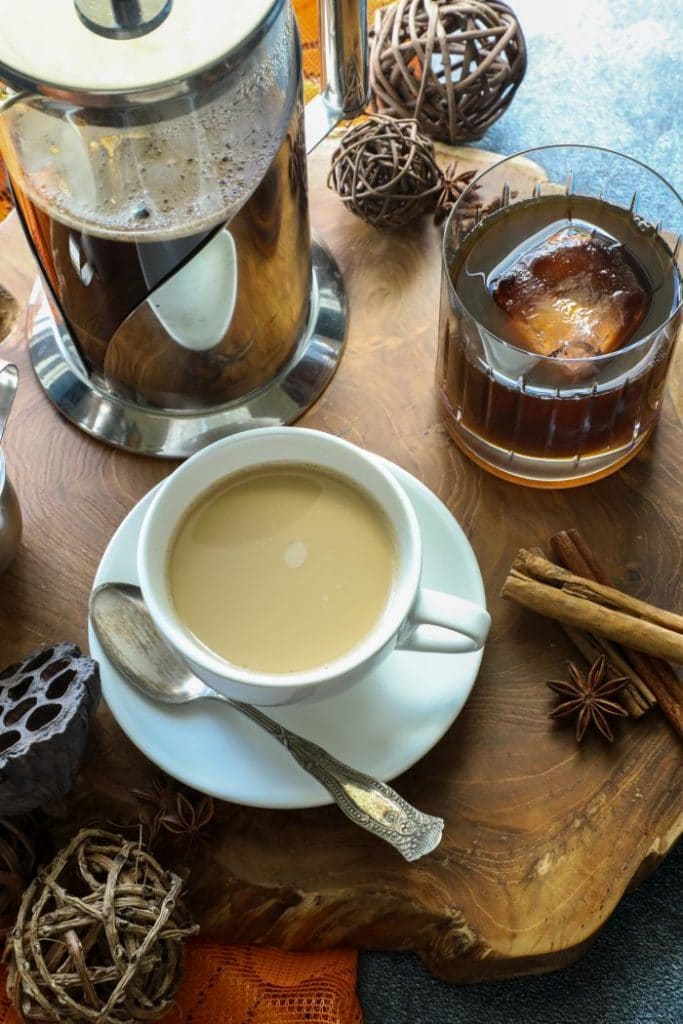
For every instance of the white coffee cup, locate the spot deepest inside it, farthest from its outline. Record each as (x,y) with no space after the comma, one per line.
(464,625)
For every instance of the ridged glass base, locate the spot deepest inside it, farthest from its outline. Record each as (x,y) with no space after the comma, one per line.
(542,473)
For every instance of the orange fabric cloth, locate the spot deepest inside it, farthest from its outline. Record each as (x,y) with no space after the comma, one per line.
(248,985)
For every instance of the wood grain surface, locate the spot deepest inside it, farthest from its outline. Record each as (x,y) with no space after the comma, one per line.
(542,837)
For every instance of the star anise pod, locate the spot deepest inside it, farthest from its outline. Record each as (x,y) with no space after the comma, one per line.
(182,816)
(453,184)
(587,695)
(160,796)
(187,819)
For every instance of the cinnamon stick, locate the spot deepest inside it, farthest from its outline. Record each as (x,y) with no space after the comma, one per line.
(531,583)
(652,676)
(636,696)
(599,593)
(670,702)
(667,675)
(590,648)
(617,657)
(572,550)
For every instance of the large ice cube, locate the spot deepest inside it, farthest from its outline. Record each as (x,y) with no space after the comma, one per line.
(575,295)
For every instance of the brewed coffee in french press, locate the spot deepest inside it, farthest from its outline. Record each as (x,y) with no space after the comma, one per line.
(156,151)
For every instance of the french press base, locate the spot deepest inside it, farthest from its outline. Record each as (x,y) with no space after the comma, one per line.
(147,430)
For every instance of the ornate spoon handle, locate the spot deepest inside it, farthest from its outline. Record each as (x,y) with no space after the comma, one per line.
(368,802)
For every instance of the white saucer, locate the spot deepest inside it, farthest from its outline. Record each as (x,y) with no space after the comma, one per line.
(382,726)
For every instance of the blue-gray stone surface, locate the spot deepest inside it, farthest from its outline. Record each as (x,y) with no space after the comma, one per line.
(601,72)
(605,73)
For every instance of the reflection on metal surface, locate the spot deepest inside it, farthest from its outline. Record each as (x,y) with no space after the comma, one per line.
(122,19)
(10,512)
(195,306)
(85,400)
(9,378)
(10,518)
(344,68)
(344,55)
(320,120)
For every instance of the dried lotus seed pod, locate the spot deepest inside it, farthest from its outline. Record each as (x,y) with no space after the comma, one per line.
(46,702)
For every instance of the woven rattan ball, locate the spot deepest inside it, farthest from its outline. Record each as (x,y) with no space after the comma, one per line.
(453,66)
(385,171)
(99,936)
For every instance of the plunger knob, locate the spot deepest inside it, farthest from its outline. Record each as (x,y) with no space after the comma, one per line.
(122,19)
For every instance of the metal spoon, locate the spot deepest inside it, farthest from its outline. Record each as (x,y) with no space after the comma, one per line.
(135,648)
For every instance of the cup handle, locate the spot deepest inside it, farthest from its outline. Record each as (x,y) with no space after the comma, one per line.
(467,624)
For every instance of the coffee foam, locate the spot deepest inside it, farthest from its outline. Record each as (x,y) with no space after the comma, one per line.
(167,179)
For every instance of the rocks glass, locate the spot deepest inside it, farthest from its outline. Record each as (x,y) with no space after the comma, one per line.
(560,307)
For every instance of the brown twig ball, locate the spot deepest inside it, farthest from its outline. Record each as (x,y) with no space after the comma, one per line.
(385,171)
(99,936)
(453,66)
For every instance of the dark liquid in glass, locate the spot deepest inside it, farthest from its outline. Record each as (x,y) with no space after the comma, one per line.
(573,283)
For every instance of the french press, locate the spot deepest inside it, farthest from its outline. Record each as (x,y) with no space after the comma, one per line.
(157,155)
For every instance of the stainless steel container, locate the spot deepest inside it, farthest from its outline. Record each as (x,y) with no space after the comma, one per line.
(156,152)
(10,512)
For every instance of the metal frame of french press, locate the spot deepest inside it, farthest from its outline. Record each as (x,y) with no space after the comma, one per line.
(177,433)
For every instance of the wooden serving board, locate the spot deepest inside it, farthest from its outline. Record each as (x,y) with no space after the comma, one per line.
(542,838)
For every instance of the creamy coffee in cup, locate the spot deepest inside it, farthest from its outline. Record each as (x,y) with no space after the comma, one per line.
(282,563)
(282,568)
